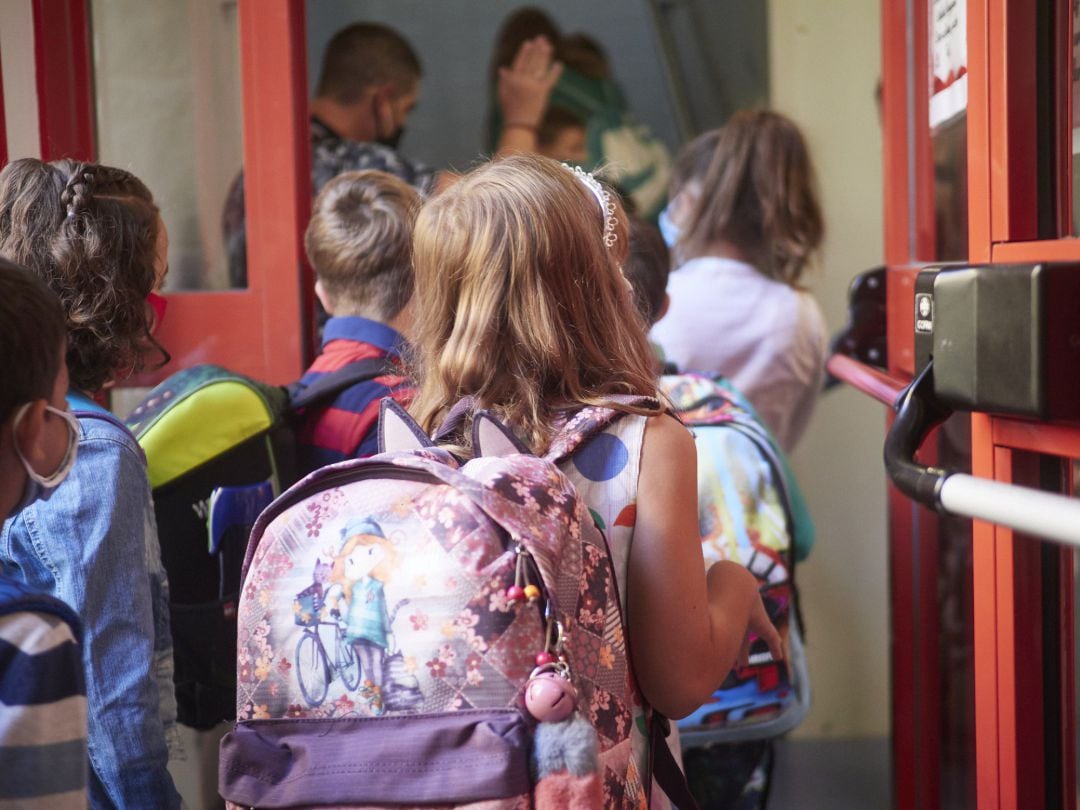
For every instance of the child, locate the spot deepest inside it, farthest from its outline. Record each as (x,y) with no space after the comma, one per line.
(732,775)
(647,268)
(561,137)
(358,241)
(744,222)
(42,689)
(521,306)
(616,143)
(93,234)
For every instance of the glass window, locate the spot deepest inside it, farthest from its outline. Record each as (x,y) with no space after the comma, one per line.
(167,96)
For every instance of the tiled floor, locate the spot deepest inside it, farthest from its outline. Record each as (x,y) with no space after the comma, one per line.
(850,774)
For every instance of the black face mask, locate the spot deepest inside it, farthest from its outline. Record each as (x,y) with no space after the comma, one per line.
(392,140)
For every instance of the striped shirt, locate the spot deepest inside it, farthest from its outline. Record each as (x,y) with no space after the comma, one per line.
(43,760)
(345,428)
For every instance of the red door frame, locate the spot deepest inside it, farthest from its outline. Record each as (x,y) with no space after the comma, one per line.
(908,236)
(1002,227)
(1008,583)
(64,79)
(265,330)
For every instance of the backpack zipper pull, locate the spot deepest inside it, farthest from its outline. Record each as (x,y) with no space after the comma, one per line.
(523,590)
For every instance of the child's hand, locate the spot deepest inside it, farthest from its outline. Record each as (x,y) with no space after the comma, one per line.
(525,86)
(761,626)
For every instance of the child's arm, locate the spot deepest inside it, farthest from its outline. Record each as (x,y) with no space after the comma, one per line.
(686,630)
(524,89)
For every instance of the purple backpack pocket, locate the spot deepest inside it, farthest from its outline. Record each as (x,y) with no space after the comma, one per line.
(448,758)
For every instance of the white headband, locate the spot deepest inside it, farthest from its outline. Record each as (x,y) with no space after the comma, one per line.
(603,199)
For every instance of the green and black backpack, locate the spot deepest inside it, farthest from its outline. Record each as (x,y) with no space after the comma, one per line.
(219,448)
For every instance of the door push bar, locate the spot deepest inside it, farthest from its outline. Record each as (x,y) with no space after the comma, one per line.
(998,339)
(918,411)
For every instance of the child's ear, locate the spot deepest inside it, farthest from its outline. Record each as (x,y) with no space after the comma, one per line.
(324,298)
(30,434)
(383,110)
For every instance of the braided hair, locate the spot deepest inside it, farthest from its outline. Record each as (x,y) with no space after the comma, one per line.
(90,233)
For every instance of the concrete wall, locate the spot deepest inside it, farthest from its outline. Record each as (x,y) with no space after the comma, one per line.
(824,65)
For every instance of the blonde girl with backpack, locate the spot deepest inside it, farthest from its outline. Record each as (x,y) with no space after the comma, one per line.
(523,309)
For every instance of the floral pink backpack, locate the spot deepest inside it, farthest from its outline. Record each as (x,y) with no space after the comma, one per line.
(414,631)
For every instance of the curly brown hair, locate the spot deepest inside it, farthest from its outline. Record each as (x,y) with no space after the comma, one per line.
(90,233)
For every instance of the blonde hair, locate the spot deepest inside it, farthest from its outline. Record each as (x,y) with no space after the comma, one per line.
(519,304)
(382,572)
(359,242)
(757,193)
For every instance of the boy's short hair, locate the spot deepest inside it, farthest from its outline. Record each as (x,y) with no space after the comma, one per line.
(366,55)
(647,268)
(30,340)
(359,241)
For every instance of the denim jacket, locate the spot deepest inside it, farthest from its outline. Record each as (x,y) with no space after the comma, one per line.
(93,544)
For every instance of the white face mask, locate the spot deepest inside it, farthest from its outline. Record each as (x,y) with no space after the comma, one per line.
(668,229)
(38,486)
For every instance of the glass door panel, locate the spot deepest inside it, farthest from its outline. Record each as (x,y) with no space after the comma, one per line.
(168,104)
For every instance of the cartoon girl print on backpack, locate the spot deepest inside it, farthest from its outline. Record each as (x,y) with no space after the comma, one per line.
(361,569)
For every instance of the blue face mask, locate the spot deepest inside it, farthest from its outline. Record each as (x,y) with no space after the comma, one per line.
(668,229)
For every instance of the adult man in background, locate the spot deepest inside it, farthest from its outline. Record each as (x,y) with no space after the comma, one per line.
(368,85)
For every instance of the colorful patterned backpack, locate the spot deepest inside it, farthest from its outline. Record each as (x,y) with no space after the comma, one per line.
(750,510)
(417,631)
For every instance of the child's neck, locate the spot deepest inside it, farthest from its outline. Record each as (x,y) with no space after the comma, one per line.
(724,249)
(400,323)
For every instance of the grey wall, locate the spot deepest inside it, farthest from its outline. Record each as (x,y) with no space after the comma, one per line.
(454,39)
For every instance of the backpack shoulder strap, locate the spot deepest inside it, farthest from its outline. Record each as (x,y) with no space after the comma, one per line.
(587,422)
(665,770)
(330,385)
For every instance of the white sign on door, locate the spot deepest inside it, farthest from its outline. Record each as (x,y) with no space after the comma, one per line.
(948,60)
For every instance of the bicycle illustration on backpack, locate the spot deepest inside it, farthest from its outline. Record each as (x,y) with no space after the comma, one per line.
(315,671)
